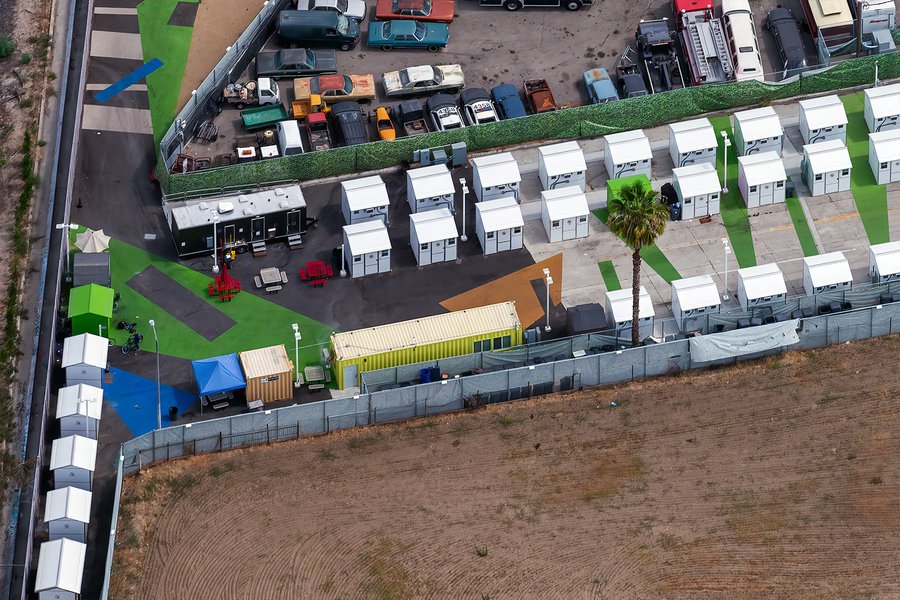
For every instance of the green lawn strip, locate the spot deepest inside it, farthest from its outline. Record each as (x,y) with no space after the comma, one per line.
(170,44)
(870,198)
(734,212)
(258,322)
(608,272)
(651,255)
(801,226)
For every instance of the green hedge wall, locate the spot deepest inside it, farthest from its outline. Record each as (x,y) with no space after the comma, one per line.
(583,121)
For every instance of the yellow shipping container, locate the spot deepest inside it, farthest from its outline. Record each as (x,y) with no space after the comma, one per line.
(269,374)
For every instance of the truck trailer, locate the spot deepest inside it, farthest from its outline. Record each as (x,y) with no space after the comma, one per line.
(656,47)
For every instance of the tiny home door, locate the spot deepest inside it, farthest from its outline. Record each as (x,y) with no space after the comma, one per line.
(767,193)
(438,251)
(370,263)
(569,232)
(832,181)
(687,209)
(293,222)
(504,240)
(257,229)
(701,205)
(894,171)
(490,242)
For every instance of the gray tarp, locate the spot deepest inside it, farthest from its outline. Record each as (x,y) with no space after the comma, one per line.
(707,348)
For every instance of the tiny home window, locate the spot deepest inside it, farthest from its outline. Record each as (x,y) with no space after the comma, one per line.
(424,246)
(779,184)
(714,195)
(555,224)
(385,253)
(582,219)
(845,172)
(357,259)
(517,230)
(883,166)
(489,235)
(752,188)
(482,346)
(451,242)
(422,200)
(819,177)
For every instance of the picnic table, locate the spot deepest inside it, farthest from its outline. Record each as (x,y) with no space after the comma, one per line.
(313,373)
(270,275)
(224,286)
(316,272)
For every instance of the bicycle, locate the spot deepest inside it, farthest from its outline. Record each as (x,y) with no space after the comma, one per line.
(133,344)
(129,327)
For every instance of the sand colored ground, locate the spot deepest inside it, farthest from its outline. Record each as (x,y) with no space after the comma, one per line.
(774,479)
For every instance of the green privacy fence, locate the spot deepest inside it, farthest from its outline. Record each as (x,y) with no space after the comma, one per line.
(584,121)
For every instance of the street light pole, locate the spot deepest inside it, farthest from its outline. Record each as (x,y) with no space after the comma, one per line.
(152,324)
(549,281)
(297,338)
(215,220)
(343,272)
(727,143)
(66,228)
(727,252)
(465,190)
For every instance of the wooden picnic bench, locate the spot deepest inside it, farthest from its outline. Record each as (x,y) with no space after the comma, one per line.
(273,289)
(257,281)
(316,386)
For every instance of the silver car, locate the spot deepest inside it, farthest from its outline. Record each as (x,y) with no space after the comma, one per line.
(353,9)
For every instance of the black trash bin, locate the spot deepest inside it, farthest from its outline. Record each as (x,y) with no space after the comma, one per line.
(173,413)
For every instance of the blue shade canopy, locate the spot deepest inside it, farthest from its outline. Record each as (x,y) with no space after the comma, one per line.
(219,374)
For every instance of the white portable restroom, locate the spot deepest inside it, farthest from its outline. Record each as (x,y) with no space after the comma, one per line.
(618,308)
(67,513)
(562,165)
(72,461)
(884,155)
(84,359)
(428,188)
(826,273)
(758,130)
(78,409)
(499,225)
(761,285)
(365,199)
(699,190)
(693,297)
(564,212)
(761,179)
(823,119)
(826,167)
(884,262)
(496,176)
(432,235)
(367,248)
(626,154)
(692,142)
(882,107)
(60,570)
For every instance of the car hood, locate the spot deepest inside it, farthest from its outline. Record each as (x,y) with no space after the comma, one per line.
(356,9)
(265,62)
(326,60)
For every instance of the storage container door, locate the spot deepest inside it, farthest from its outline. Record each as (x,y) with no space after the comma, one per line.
(350,376)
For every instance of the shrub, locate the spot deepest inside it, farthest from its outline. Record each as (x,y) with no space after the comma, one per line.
(7,46)
(25,58)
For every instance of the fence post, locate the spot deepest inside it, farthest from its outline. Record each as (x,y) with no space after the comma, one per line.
(221,445)
(268,440)
(167,451)
(298,429)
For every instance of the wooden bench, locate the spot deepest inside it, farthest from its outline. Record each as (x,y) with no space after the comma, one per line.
(316,386)
(273,289)
(257,281)
(284,278)
(318,282)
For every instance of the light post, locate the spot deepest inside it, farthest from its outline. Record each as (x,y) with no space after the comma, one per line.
(727,252)
(343,272)
(215,220)
(297,338)
(465,190)
(152,324)
(727,143)
(549,281)
(66,228)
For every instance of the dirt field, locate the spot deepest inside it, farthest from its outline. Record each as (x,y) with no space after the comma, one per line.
(776,479)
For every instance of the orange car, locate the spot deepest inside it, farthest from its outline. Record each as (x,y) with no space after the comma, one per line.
(420,10)
(384,124)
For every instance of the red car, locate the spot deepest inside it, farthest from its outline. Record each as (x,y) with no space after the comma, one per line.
(421,10)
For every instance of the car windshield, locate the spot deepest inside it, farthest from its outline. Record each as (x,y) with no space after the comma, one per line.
(404,78)
(343,25)
(420,31)
(342,5)
(307,60)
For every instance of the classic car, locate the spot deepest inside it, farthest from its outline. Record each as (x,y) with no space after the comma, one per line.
(355,9)
(444,112)
(298,62)
(423,79)
(388,35)
(477,107)
(507,101)
(384,124)
(334,88)
(419,10)
(599,85)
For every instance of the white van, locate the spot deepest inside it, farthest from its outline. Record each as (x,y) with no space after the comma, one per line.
(741,34)
(289,141)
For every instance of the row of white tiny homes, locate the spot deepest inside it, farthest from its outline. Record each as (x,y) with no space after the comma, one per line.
(884,155)
(692,142)
(367,248)
(626,154)
(884,262)
(564,213)
(881,107)
(619,311)
(499,225)
(60,570)
(432,235)
(761,179)
(826,167)
(562,165)
(430,188)
(826,273)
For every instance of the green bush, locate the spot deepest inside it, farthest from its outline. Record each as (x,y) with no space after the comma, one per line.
(7,46)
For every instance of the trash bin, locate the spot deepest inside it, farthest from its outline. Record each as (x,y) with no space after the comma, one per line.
(173,413)
(435,374)
(424,375)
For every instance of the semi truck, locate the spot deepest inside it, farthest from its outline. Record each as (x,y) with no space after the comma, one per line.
(703,41)
(659,57)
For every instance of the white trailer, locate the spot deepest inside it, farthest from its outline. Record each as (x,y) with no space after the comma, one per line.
(78,409)
(367,248)
(430,188)
(823,119)
(72,461)
(432,235)
(761,179)
(564,213)
(884,155)
(698,189)
(626,154)
(619,311)
(67,513)
(60,570)
(826,167)
(692,142)
(499,225)
(496,176)
(762,285)
(694,297)
(826,273)
(881,107)
(758,130)
(561,165)
(365,199)
(884,262)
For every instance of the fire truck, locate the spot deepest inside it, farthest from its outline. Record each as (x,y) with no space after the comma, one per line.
(702,37)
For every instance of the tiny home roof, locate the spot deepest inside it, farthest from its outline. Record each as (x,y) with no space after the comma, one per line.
(371,236)
(497,169)
(90,267)
(79,399)
(565,202)
(222,209)
(434,225)
(885,145)
(762,281)
(73,451)
(758,123)
(696,292)
(693,135)
(431,182)
(628,146)
(68,503)
(91,299)
(826,111)
(884,100)
(85,349)
(697,179)
(60,566)
(763,167)
(567,157)
(831,155)
(427,330)
(619,302)
(886,257)
(367,192)
(828,269)
(502,213)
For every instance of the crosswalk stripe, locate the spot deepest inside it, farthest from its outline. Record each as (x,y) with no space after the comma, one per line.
(110,44)
(117,119)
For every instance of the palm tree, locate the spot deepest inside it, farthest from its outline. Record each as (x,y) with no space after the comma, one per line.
(638,218)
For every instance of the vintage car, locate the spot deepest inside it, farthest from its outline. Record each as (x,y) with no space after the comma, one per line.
(384,124)
(423,79)
(355,9)
(335,88)
(477,107)
(444,112)
(507,101)
(298,62)
(599,85)
(388,35)
(418,10)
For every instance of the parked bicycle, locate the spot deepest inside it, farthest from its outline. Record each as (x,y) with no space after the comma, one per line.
(116,298)
(133,344)
(129,327)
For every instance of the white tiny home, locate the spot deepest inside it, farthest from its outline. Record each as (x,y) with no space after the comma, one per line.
(757,130)
(562,165)
(823,119)
(84,359)
(884,155)
(60,570)
(432,235)
(496,176)
(698,189)
(761,285)
(626,154)
(67,513)
(72,461)
(367,248)
(365,199)
(884,262)
(78,409)
(564,212)
(429,188)
(882,107)
(826,273)
(761,179)
(826,167)
(619,310)
(692,142)
(499,225)
(693,297)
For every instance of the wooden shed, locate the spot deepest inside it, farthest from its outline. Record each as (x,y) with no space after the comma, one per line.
(826,273)
(881,107)
(564,213)
(884,262)
(365,199)
(496,176)
(884,155)
(78,409)
(626,154)
(60,570)
(432,235)
(826,167)
(72,461)
(269,374)
(823,119)
(761,179)
(67,513)
(758,130)
(429,188)
(692,142)
(84,359)
(562,165)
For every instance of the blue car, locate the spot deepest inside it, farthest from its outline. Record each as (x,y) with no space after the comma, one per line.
(600,87)
(508,102)
(404,33)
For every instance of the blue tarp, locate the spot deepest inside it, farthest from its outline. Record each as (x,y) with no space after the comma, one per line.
(219,374)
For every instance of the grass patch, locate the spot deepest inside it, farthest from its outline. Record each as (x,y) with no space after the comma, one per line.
(219,470)
(361,442)
(734,212)
(389,580)
(481,551)
(327,454)
(801,226)
(506,421)
(870,198)
(608,272)
(7,46)
(652,255)
(876,480)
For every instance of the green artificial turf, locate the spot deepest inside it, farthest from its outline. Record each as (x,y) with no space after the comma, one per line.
(651,255)
(734,212)
(870,198)
(170,44)
(608,272)
(258,322)
(801,226)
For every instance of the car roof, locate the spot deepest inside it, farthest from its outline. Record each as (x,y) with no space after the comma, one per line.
(788,31)
(402,26)
(505,88)
(596,74)
(473,95)
(331,82)
(439,100)
(421,73)
(410,4)
(346,106)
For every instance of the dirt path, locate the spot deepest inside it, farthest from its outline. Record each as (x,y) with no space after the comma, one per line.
(777,479)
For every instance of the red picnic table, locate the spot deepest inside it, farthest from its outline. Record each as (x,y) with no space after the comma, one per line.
(224,285)
(317,271)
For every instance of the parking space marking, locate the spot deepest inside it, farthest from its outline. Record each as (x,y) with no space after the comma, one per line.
(110,44)
(112,118)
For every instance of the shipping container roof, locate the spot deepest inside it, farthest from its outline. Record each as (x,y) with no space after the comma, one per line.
(693,135)
(886,145)
(826,111)
(73,451)
(363,238)
(628,146)
(758,123)
(496,169)
(68,503)
(431,182)
(558,159)
(264,362)
(884,100)
(696,292)
(367,192)
(824,157)
(762,281)
(828,269)
(201,212)
(60,566)
(696,180)
(762,167)
(79,399)
(886,257)
(565,203)
(85,349)
(619,305)
(502,213)
(434,225)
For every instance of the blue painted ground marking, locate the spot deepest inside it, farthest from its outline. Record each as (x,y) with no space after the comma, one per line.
(134,400)
(129,80)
